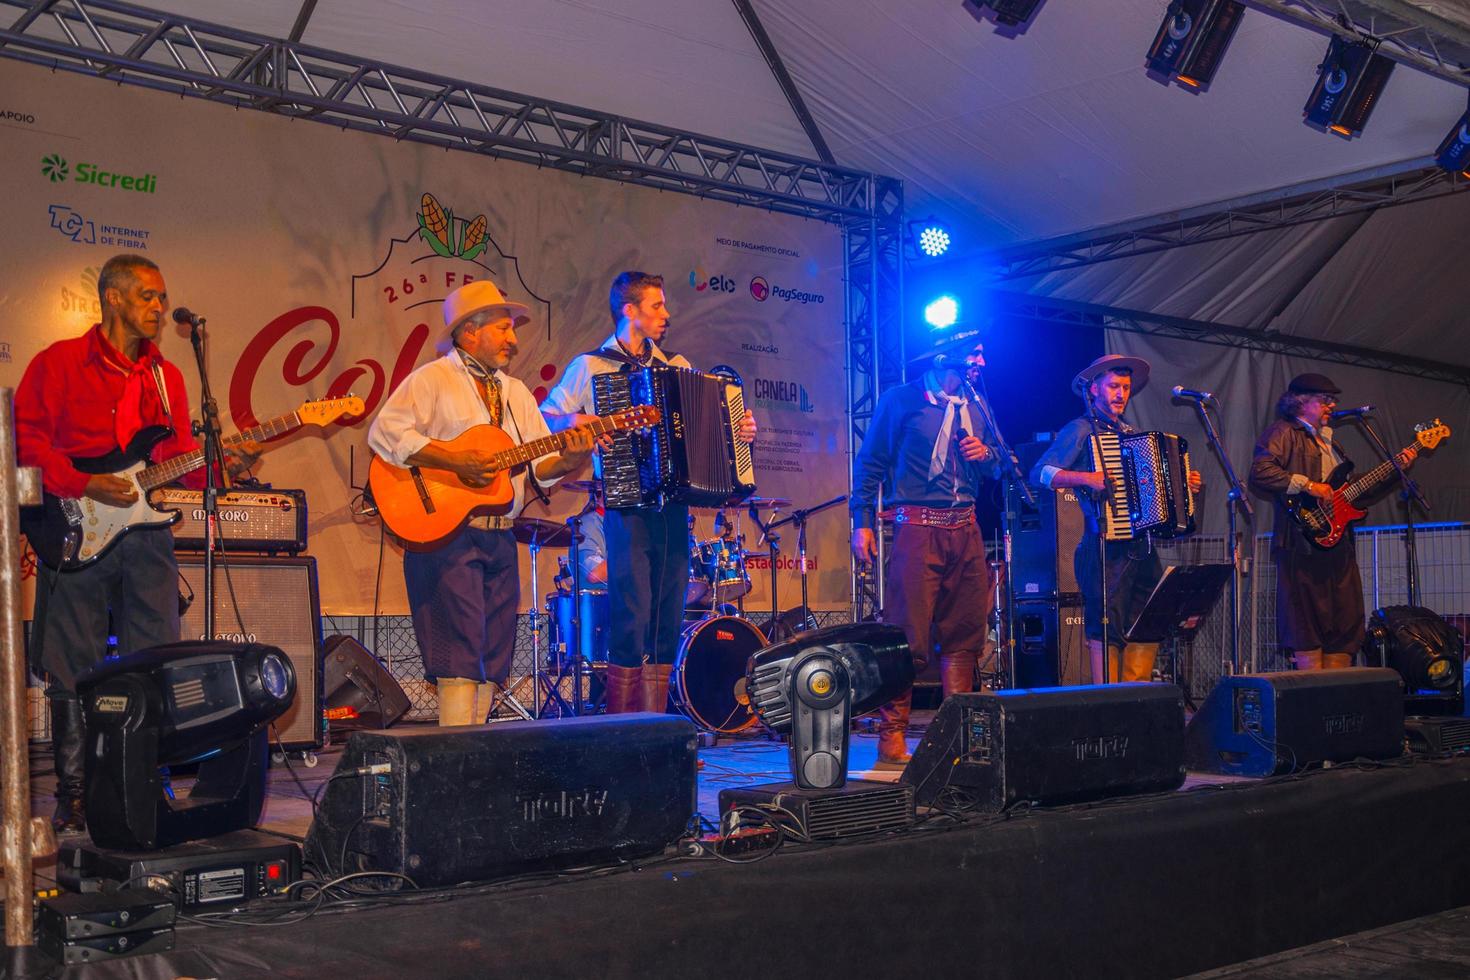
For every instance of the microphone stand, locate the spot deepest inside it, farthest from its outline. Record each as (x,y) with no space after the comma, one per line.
(1237,498)
(1016,482)
(208,428)
(1410,494)
(1102,545)
(799,518)
(773,543)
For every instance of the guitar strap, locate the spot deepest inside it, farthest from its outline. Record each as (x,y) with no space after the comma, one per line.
(162,393)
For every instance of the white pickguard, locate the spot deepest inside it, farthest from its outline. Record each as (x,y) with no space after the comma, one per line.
(100,524)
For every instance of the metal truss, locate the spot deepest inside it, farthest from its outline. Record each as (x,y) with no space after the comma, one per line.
(1202,331)
(1263,212)
(134,45)
(873,272)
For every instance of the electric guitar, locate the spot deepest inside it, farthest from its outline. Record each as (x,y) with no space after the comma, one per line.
(423,505)
(1326,521)
(69,533)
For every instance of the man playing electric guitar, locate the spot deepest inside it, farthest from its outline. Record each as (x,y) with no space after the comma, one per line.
(464,593)
(84,398)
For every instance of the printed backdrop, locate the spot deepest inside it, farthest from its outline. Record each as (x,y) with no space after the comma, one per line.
(321,259)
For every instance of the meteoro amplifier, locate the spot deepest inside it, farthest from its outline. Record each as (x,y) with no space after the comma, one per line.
(249,520)
(990,750)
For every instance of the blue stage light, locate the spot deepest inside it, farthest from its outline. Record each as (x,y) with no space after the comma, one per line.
(942,312)
(933,241)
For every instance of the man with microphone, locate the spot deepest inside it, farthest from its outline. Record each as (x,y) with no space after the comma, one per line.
(1319,592)
(925,449)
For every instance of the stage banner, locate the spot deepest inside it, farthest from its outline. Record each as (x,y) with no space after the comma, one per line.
(321,259)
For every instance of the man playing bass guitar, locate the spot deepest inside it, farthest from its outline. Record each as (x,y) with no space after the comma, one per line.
(464,592)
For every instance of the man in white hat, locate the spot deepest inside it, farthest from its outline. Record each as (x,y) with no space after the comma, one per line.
(464,594)
(1132,567)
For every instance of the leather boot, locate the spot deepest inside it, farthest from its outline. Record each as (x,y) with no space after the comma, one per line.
(623,689)
(957,672)
(1307,659)
(69,749)
(485,695)
(893,721)
(655,687)
(456,701)
(1337,661)
(1138,661)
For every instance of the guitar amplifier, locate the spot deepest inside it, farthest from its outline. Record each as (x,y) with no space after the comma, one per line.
(250,520)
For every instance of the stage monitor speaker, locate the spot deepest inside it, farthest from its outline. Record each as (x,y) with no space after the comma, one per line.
(278,606)
(483,801)
(1045,537)
(1051,650)
(991,750)
(1262,724)
(352,678)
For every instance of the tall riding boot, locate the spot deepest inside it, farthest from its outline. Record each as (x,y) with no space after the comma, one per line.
(69,748)
(655,689)
(485,695)
(623,689)
(456,701)
(893,721)
(1138,661)
(957,672)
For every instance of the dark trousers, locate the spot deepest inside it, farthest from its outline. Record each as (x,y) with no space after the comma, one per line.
(938,589)
(1319,599)
(647,575)
(463,597)
(136,582)
(1133,570)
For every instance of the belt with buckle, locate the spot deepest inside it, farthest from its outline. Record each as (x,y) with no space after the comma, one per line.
(491,522)
(949,517)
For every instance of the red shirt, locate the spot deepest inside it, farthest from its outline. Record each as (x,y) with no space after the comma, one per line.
(66,403)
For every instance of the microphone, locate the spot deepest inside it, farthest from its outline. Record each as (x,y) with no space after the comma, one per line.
(183,315)
(951,361)
(1352,413)
(1199,396)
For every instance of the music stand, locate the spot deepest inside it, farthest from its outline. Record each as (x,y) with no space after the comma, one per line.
(1178,607)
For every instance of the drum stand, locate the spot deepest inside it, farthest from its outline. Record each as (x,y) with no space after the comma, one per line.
(507,698)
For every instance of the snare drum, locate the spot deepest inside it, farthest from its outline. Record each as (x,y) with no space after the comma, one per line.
(708,683)
(594,616)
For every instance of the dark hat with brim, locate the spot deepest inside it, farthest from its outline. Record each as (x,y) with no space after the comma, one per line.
(959,341)
(1136,366)
(1313,384)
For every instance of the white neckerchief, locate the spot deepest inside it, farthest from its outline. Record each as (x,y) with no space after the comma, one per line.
(954,405)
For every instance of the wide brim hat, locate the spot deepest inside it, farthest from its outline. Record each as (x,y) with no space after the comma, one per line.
(1313,384)
(961,340)
(1112,362)
(477,297)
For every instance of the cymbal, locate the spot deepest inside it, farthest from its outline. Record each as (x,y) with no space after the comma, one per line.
(547,534)
(580,486)
(767,502)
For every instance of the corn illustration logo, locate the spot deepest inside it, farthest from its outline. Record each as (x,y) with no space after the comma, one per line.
(451,237)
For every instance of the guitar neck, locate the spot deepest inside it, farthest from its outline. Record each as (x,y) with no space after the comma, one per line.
(555,443)
(172,469)
(1378,477)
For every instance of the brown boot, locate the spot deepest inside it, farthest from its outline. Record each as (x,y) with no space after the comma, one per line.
(893,721)
(957,672)
(623,685)
(1138,661)
(655,690)
(457,702)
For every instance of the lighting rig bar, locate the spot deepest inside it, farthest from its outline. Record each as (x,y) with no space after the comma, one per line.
(134,45)
(1214,222)
(1073,313)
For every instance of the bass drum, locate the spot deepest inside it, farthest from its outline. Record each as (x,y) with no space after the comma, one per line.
(708,684)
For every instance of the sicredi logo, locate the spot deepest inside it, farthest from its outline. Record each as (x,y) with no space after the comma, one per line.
(56,169)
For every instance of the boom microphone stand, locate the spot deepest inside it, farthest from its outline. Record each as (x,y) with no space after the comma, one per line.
(208,428)
(1410,494)
(1102,545)
(1236,499)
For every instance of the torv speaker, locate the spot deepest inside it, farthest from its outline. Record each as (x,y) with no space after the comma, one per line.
(990,750)
(449,805)
(1262,724)
(353,678)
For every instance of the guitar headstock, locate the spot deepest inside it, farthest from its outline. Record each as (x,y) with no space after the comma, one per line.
(1431,434)
(325,411)
(638,417)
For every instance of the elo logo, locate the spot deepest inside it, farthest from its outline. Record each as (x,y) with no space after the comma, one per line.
(715,284)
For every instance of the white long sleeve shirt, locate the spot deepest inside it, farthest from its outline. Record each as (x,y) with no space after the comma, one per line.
(440,400)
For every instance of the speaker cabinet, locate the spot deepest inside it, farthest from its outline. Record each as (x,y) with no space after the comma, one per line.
(1051,650)
(1045,537)
(478,802)
(278,605)
(353,678)
(1262,724)
(991,750)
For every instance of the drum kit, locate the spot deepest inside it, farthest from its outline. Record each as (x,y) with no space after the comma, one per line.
(708,680)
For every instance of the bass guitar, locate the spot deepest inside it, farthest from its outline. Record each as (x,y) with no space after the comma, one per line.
(69,533)
(423,506)
(1326,521)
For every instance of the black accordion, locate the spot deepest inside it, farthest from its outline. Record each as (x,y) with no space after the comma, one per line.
(691,456)
(1148,485)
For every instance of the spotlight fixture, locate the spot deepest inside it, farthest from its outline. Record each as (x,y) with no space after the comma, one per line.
(1427,652)
(931,237)
(942,312)
(1192,39)
(1454,150)
(1349,82)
